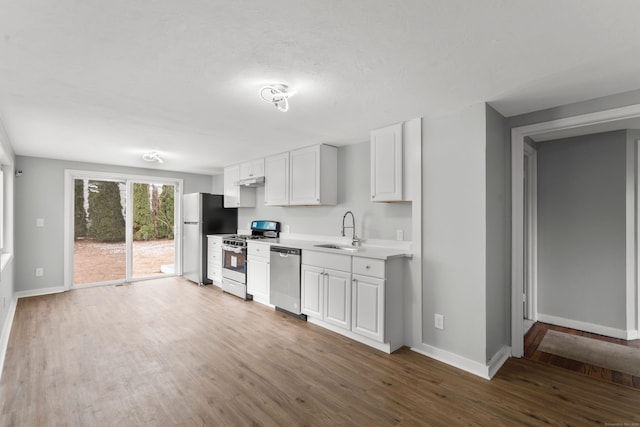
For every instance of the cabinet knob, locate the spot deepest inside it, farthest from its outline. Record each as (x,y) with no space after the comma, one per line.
(367,267)
(354,280)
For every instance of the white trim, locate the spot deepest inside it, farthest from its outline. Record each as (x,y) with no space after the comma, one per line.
(498,360)
(38,292)
(631,234)
(633,286)
(6,332)
(531,157)
(517,151)
(413,277)
(71,174)
(128,231)
(385,347)
(583,326)
(5,259)
(476,368)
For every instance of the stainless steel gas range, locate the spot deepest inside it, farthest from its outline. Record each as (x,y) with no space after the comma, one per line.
(234,256)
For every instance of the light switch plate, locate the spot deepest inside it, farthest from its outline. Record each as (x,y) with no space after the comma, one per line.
(438,320)
(39,222)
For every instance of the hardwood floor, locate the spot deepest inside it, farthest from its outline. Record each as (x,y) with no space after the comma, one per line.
(539,329)
(168,352)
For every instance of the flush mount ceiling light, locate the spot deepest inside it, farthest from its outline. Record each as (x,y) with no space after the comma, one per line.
(278,95)
(152,156)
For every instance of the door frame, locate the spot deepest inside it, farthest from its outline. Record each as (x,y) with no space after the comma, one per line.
(518,135)
(531,232)
(71,174)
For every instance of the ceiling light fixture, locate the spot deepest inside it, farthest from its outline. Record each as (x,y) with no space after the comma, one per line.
(278,95)
(152,156)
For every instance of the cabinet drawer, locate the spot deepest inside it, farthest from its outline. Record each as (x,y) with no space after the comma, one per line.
(368,267)
(258,250)
(327,260)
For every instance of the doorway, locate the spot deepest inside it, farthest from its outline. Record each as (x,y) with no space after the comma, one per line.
(589,123)
(120,228)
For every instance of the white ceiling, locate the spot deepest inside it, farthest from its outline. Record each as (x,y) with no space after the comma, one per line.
(105,81)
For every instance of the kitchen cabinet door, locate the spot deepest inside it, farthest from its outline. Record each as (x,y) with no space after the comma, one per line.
(258,279)
(252,169)
(387,163)
(368,307)
(236,196)
(305,176)
(276,180)
(312,291)
(214,260)
(337,298)
(314,175)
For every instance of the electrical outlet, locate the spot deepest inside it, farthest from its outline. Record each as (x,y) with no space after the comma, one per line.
(438,320)
(287,228)
(39,272)
(399,234)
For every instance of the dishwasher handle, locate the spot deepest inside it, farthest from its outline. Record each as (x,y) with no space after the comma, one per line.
(285,252)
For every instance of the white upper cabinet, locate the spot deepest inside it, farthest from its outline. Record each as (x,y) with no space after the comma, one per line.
(393,161)
(276,180)
(387,160)
(236,196)
(314,176)
(252,169)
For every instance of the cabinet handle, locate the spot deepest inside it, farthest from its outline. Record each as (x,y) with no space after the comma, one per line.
(354,280)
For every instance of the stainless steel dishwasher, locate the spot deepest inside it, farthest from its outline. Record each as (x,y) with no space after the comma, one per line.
(285,280)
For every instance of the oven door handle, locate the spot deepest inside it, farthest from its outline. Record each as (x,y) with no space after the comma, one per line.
(232,249)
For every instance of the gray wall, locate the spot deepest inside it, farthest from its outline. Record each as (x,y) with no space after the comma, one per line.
(217,182)
(39,193)
(373,220)
(454,230)
(498,240)
(581,228)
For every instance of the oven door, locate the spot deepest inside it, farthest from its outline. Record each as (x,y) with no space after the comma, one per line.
(234,263)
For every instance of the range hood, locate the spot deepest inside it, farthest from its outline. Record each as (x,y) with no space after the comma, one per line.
(252,182)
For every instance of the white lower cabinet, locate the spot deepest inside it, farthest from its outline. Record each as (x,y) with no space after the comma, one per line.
(214,259)
(312,291)
(358,297)
(258,271)
(326,295)
(326,287)
(337,298)
(368,307)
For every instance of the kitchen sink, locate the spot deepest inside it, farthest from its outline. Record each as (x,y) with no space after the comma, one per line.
(338,247)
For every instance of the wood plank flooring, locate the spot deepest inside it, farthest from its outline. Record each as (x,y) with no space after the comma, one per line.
(167,352)
(534,337)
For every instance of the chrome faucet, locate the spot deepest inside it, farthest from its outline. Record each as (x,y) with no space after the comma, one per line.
(354,241)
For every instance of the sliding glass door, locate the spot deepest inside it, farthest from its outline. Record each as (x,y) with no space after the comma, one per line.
(120,228)
(153,230)
(99,247)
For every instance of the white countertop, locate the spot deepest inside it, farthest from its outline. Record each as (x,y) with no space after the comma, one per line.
(377,252)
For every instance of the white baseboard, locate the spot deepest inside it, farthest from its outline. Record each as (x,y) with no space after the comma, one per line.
(385,347)
(633,335)
(6,331)
(38,292)
(584,326)
(476,368)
